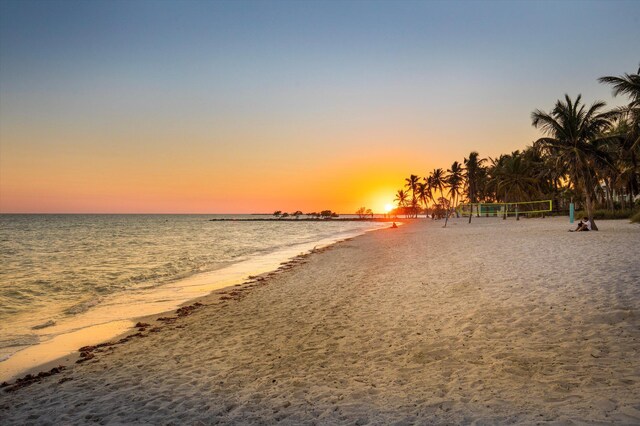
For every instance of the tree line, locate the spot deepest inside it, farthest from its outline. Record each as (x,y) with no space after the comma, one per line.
(324,214)
(586,154)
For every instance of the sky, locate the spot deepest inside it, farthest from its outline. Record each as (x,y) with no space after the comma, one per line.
(256,106)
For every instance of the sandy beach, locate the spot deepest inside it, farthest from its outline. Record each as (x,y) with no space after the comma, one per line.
(493,322)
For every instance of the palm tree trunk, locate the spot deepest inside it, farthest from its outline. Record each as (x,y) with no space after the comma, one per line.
(586,188)
(609,186)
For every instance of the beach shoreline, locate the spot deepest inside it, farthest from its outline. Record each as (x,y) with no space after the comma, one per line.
(61,350)
(497,321)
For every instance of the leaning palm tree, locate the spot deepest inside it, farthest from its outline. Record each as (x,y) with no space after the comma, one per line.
(573,139)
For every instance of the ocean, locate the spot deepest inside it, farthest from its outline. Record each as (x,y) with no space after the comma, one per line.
(63,273)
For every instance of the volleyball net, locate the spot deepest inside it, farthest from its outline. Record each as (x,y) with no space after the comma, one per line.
(505,209)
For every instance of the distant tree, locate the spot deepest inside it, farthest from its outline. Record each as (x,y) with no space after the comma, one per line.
(422,192)
(455,181)
(326,214)
(369,212)
(283,215)
(362,212)
(312,215)
(438,180)
(401,199)
(297,214)
(473,176)
(515,179)
(277,213)
(412,184)
(334,214)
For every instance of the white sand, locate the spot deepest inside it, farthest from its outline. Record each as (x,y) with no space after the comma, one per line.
(490,322)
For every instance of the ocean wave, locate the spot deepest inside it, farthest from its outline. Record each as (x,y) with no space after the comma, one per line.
(19,340)
(49,323)
(82,306)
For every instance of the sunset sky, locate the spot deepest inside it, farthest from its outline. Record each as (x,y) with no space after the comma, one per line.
(256,106)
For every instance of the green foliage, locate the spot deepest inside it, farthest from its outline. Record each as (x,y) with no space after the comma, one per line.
(636,217)
(605,214)
(588,155)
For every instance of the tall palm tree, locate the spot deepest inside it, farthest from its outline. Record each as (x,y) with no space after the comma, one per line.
(573,135)
(422,191)
(473,174)
(412,183)
(455,181)
(429,188)
(438,180)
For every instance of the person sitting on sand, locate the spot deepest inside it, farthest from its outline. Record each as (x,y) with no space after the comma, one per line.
(584,225)
(394,225)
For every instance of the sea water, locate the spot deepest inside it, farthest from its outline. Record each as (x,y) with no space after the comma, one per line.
(64,273)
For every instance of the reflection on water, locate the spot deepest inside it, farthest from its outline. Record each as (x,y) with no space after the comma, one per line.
(63,273)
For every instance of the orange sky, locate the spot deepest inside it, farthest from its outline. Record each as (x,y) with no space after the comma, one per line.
(243,107)
(213,171)
(73,176)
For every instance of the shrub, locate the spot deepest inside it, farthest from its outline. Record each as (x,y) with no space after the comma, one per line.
(636,217)
(603,214)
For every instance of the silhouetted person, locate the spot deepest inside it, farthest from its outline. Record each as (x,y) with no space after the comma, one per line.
(584,225)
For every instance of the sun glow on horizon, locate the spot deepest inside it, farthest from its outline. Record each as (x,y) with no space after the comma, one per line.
(388,207)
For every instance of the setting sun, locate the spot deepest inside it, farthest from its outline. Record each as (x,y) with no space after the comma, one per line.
(388,207)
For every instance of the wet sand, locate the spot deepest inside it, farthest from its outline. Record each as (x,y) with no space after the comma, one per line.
(497,321)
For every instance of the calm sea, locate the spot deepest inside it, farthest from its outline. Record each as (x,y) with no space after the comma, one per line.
(55,269)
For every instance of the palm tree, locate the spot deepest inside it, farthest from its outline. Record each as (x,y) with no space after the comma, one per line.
(473,174)
(401,198)
(438,180)
(628,126)
(455,181)
(412,183)
(422,191)
(516,180)
(573,136)
(628,84)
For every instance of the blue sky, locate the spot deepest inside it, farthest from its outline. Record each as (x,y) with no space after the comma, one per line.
(407,85)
